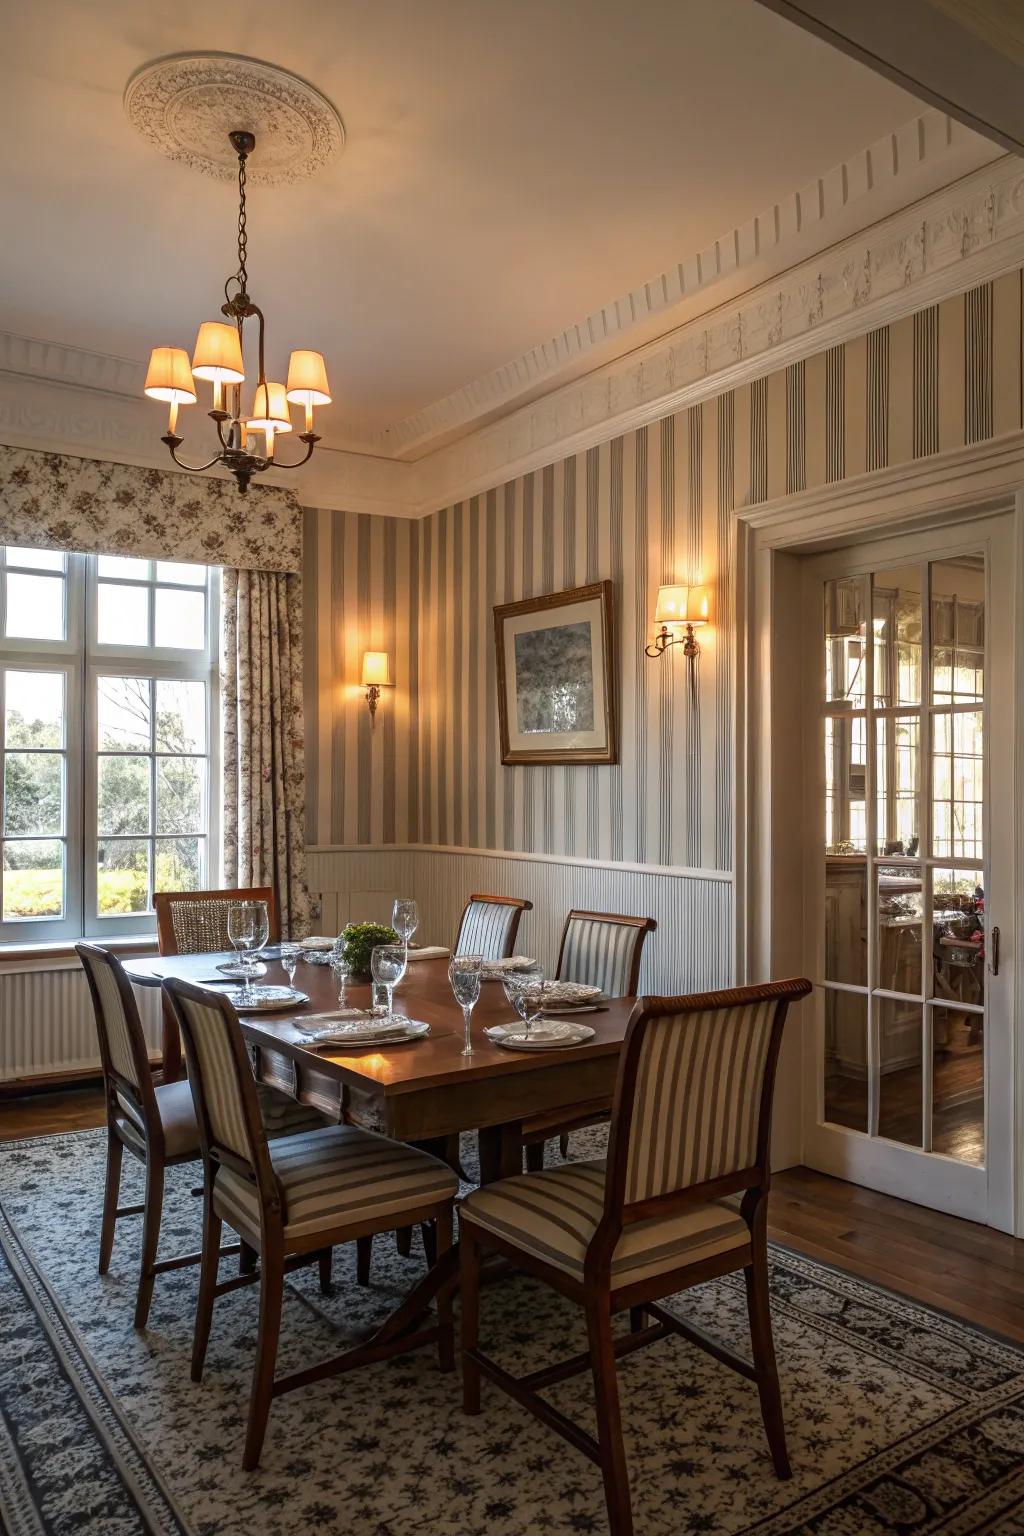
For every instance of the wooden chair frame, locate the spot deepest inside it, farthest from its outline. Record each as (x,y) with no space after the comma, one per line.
(563,1122)
(498,901)
(601,1300)
(404,1330)
(167,944)
(155,1158)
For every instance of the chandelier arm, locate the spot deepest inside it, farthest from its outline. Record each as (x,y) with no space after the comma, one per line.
(310,439)
(174,443)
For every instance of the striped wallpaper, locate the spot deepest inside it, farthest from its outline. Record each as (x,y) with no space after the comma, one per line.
(651,506)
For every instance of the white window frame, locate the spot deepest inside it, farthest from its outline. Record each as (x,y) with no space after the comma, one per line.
(84,660)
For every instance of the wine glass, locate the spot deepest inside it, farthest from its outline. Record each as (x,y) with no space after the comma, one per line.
(464,975)
(387,966)
(289,961)
(525,991)
(340,967)
(248,930)
(405,919)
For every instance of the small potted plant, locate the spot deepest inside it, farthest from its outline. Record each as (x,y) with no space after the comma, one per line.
(361,939)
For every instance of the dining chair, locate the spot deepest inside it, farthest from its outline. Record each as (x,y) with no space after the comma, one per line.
(157,1123)
(681,1198)
(194,923)
(600,949)
(489,925)
(292,1201)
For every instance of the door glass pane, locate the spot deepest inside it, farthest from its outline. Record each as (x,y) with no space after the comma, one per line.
(35,607)
(180,863)
(958,629)
(846,950)
(897,781)
(33,879)
(34,709)
(958,782)
(958,936)
(846,785)
(896,624)
(123,705)
(900,917)
(846,1059)
(122,614)
(122,878)
(958,1084)
(123,794)
(900,1096)
(845,641)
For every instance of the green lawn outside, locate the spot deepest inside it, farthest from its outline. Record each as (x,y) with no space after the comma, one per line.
(37,892)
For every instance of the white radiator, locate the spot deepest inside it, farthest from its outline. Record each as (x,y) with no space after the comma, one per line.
(47,1023)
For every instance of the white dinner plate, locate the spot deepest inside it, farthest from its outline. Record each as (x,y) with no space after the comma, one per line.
(547,1035)
(268,999)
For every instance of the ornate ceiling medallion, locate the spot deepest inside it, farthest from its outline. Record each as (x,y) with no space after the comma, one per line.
(187,105)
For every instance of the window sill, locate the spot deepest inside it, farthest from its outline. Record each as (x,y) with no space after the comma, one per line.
(64,949)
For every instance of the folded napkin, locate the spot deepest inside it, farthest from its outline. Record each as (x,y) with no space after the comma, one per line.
(430,952)
(496,968)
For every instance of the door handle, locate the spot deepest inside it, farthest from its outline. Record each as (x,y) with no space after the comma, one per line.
(995,951)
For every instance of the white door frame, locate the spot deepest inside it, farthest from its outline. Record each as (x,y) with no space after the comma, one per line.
(769,941)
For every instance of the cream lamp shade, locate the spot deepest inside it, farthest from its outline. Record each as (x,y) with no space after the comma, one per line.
(270,410)
(218,353)
(683,605)
(376,669)
(307,379)
(169,376)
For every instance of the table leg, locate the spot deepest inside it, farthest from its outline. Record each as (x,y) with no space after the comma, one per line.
(501,1151)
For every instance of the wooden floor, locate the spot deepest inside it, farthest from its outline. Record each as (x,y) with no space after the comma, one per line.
(955,1265)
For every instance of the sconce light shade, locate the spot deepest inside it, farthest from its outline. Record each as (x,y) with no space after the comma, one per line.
(376,669)
(169,376)
(218,353)
(683,605)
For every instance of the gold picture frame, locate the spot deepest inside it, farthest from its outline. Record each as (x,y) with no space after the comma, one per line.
(556,677)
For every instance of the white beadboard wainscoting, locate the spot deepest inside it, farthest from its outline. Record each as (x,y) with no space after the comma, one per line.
(691,951)
(47,1023)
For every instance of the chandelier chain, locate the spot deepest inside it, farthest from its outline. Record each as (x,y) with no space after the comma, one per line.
(243,239)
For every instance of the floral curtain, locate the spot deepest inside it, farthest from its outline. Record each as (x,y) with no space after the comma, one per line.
(60,501)
(264,768)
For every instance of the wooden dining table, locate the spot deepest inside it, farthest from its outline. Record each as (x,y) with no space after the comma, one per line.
(423,1091)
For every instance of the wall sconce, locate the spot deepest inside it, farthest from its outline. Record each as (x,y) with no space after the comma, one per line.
(681,609)
(376,675)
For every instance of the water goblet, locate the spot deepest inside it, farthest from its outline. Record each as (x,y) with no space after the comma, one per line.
(245,925)
(405,919)
(289,961)
(387,966)
(525,991)
(340,967)
(464,975)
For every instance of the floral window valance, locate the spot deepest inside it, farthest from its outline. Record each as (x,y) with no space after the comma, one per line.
(57,501)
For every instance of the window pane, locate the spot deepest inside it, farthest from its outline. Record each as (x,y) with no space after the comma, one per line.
(180,717)
(900,914)
(33,880)
(900,1091)
(35,607)
(846,785)
(38,559)
(846,1060)
(34,709)
(173,570)
(122,879)
(180,782)
(958,935)
(896,779)
(845,643)
(180,619)
(33,785)
(958,629)
(896,622)
(180,863)
(124,714)
(958,1084)
(121,566)
(123,795)
(123,615)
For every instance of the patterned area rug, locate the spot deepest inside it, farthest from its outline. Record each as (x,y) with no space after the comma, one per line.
(901,1422)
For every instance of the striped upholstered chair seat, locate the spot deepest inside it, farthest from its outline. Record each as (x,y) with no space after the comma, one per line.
(333,1177)
(177,1117)
(554,1215)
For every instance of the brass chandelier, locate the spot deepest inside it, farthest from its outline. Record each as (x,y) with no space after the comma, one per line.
(247,442)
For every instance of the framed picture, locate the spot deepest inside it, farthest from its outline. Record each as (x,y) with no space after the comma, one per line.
(556,680)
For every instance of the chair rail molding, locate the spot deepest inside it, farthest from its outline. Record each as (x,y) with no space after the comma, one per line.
(66,399)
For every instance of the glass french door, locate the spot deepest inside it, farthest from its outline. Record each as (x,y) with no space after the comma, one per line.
(908,666)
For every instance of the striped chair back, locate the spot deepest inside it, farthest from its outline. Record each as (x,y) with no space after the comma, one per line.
(123,1052)
(223,1086)
(196,922)
(489,926)
(603,949)
(695,1089)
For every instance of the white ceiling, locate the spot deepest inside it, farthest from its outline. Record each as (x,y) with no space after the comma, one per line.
(510,167)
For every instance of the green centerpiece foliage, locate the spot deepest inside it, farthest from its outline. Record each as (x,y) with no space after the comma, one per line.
(360,941)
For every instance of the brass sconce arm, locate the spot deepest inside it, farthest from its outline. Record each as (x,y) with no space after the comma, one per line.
(664,638)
